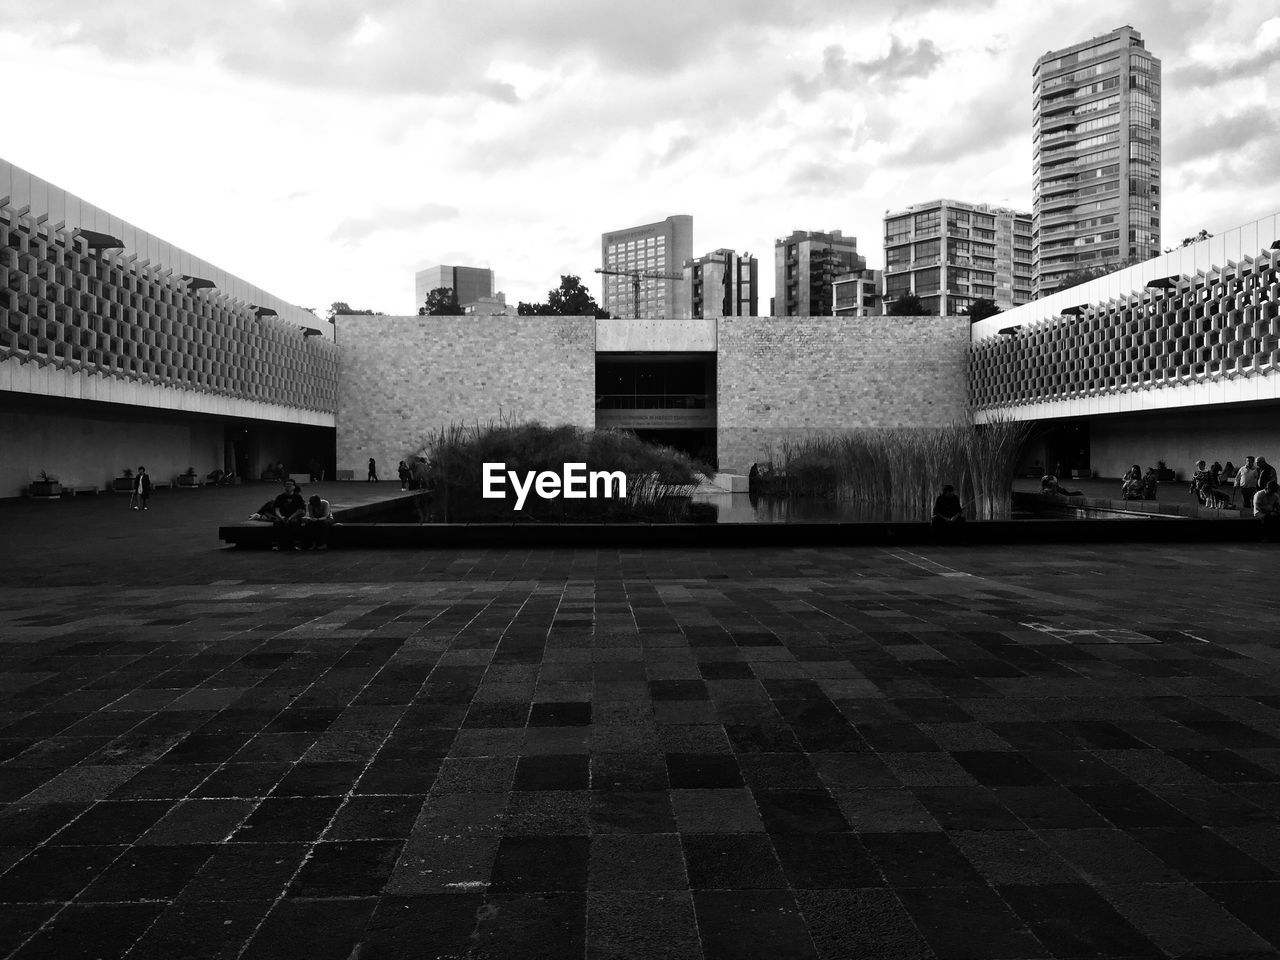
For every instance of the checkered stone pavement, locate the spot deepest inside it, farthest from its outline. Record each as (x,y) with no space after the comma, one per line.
(946,752)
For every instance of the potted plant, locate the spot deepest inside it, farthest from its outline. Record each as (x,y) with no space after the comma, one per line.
(46,486)
(124,482)
(189,478)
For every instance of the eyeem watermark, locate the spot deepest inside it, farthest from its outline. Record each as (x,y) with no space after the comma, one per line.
(575,483)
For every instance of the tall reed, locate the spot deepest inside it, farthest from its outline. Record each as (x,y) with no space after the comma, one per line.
(900,470)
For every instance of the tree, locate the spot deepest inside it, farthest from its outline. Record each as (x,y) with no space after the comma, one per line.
(980,309)
(441,302)
(570,299)
(907,305)
(1202,235)
(340,307)
(533,309)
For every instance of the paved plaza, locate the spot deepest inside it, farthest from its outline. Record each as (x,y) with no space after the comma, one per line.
(1005,752)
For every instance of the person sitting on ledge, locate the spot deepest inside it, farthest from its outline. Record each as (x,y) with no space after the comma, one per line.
(947,509)
(316,523)
(1049,485)
(266,513)
(1131,484)
(1266,507)
(290,508)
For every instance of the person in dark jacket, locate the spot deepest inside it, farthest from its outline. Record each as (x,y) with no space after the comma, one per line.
(1266,473)
(947,510)
(141,489)
(290,508)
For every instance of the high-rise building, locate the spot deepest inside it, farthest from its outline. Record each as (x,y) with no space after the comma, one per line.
(804,266)
(653,253)
(1096,168)
(720,284)
(471,284)
(950,253)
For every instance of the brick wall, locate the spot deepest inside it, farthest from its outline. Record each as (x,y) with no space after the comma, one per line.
(402,377)
(782,377)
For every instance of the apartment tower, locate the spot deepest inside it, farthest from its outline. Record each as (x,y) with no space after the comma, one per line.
(950,253)
(721,284)
(805,266)
(1096,166)
(652,254)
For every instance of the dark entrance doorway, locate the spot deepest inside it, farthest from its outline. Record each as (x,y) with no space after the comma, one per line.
(665,398)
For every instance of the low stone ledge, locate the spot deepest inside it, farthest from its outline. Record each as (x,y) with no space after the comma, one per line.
(749,535)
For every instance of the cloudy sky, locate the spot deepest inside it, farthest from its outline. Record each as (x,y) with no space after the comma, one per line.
(327,149)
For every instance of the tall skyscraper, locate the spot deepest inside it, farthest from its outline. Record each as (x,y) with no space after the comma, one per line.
(1096,133)
(950,253)
(804,266)
(471,284)
(658,249)
(720,284)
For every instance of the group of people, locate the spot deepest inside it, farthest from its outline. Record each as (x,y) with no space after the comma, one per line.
(414,474)
(1136,485)
(1218,485)
(297,523)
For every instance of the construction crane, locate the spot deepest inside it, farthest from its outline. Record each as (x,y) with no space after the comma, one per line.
(636,276)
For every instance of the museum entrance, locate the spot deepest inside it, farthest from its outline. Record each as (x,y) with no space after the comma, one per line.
(666,398)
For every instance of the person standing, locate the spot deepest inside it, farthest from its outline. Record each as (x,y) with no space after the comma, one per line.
(1247,483)
(373,471)
(403,471)
(141,489)
(1266,473)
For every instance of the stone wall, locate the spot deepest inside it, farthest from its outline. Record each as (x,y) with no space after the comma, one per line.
(403,377)
(786,377)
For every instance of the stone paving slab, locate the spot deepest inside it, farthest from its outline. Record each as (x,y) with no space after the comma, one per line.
(1041,751)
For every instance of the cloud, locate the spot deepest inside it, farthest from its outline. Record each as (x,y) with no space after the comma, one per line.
(426,47)
(359,228)
(1232,134)
(838,72)
(828,178)
(677,149)
(987,126)
(1205,75)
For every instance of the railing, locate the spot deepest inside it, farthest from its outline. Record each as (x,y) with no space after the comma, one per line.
(653,401)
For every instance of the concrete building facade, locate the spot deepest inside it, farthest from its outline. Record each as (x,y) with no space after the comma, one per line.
(721,284)
(118,349)
(730,389)
(858,294)
(806,264)
(1174,359)
(471,284)
(1096,157)
(949,253)
(653,253)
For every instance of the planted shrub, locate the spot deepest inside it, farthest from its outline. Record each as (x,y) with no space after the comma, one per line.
(660,480)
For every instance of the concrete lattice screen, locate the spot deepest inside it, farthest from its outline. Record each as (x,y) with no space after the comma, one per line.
(1217,325)
(104,312)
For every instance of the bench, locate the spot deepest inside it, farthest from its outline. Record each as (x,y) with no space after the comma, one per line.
(76,491)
